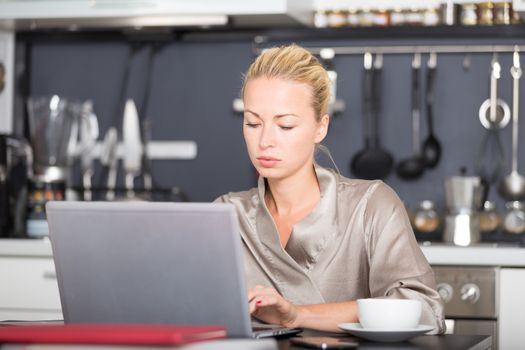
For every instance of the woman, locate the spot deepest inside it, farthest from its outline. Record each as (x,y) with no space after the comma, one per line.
(315,241)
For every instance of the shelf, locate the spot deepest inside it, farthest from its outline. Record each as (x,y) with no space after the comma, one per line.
(360,33)
(274,34)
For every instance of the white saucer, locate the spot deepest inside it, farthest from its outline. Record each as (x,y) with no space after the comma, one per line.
(383,335)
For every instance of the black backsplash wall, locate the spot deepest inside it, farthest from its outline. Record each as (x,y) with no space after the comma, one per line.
(194,83)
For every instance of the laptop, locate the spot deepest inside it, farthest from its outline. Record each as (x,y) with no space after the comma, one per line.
(152,263)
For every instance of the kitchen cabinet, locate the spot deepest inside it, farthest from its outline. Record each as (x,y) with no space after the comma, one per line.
(29,287)
(511,306)
(38,14)
(503,291)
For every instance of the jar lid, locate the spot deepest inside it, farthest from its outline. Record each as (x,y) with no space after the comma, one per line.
(514,205)
(489,205)
(427,205)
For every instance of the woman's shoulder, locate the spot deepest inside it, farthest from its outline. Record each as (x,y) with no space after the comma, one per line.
(365,187)
(375,193)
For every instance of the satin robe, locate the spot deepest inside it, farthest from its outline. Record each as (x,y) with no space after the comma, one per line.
(356,243)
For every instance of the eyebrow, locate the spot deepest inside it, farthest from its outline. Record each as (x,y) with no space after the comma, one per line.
(276,116)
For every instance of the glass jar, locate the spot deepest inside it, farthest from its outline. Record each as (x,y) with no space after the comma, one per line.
(502,13)
(514,219)
(397,17)
(469,15)
(367,18)
(489,219)
(431,17)
(381,18)
(337,18)
(515,17)
(426,218)
(354,18)
(486,13)
(414,17)
(321,19)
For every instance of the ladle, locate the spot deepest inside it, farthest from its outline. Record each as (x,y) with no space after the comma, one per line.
(431,146)
(373,162)
(512,187)
(413,167)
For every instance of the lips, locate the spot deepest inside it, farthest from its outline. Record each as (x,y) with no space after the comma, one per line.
(267,162)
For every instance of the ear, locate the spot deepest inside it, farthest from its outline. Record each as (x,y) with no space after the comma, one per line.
(322,128)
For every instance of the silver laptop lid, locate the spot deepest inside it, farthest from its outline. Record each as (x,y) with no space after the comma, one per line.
(144,262)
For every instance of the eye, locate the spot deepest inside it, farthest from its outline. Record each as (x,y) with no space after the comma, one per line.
(251,125)
(286,127)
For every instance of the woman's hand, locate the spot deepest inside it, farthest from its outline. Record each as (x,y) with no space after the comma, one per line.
(267,305)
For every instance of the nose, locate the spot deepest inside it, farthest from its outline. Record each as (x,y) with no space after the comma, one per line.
(267,138)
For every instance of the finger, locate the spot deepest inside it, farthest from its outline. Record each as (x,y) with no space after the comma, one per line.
(254,305)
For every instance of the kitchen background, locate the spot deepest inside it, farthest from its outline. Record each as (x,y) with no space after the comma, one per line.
(192,77)
(196,74)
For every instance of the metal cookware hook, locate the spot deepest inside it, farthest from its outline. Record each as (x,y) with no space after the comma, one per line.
(494,113)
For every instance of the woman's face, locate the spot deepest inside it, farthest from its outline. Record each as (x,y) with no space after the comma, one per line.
(280,128)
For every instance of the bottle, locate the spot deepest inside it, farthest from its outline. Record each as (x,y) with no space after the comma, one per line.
(426,219)
(514,219)
(489,219)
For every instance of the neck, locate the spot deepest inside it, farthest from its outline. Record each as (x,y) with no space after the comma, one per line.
(292,194)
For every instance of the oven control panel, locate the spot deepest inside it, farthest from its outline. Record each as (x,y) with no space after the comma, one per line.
(467,291)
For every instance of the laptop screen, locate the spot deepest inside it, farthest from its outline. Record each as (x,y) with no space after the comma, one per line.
(149,262)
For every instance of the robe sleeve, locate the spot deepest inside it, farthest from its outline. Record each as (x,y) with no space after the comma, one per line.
(398,268)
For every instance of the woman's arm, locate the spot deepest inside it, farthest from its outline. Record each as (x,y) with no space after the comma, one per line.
(267,305)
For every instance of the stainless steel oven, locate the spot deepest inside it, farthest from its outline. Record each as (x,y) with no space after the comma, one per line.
(470,298)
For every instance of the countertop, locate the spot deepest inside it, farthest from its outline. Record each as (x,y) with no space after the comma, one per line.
(26,247)
(482,254)
(436,254)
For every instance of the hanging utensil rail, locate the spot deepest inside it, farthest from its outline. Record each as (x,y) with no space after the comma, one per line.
(404,49)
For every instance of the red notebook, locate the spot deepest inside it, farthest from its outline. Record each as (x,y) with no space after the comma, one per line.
(110,334)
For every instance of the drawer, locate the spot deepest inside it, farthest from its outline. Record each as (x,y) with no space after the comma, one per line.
(28,283)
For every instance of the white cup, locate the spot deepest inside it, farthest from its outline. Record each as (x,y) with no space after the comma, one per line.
(389,314)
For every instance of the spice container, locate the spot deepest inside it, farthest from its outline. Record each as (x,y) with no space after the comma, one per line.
(485,13)
(514,219)
(354,18)
(397,17)
(367,18)
(381,18)
(502,13)
(489,219)
(425,218)
(514,17)
(321,19)
(469,15)
(450,12)
(431,17)
(414,17)
(337,18)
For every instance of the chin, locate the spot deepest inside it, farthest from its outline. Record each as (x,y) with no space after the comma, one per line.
(270,173)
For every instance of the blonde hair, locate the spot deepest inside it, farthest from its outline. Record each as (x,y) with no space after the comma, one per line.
(294,63)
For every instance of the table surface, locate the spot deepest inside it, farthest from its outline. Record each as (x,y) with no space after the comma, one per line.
(426,342)
(423,342)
